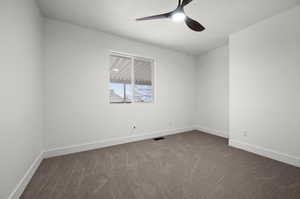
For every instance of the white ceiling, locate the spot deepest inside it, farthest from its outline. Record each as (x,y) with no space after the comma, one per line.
(220,17)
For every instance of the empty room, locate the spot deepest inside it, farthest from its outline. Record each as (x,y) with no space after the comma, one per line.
(139,99)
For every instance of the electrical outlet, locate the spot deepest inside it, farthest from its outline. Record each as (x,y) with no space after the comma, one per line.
(133,129)
(245,133)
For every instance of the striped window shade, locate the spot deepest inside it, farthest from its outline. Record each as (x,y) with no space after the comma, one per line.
(143,72)
(120,69)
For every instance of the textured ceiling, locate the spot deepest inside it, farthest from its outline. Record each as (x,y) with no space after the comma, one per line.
(220,17)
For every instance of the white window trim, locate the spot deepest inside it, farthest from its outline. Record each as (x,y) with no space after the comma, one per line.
(132,57)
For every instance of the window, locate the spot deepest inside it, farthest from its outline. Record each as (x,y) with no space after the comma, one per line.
(131,79)
(120,79)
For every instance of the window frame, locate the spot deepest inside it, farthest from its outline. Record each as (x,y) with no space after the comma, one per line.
(133,57)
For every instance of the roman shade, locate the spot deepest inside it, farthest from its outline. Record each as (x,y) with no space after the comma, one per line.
(121,70)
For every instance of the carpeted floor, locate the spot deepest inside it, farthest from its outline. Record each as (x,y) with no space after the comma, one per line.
(190,165)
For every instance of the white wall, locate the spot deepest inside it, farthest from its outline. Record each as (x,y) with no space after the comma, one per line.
(77,93)
(212,91)
(265,84)
(20,91)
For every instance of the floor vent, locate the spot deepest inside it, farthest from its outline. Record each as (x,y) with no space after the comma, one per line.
(160,138)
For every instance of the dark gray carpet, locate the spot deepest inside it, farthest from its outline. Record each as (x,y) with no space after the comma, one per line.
(190,165)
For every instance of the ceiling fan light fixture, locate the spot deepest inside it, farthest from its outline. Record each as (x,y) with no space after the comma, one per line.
(178,16)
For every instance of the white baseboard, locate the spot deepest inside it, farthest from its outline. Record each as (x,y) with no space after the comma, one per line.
(212,131)
(110,142)
(288,159)
(17,192)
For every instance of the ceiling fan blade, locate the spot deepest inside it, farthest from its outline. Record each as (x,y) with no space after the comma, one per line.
(160,16)
(185,2)
(179,3)
(194,25)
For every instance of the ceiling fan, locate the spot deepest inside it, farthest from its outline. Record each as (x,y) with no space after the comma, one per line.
(178,15)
